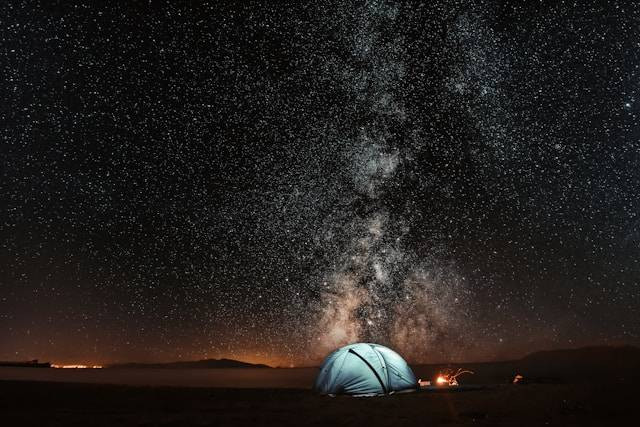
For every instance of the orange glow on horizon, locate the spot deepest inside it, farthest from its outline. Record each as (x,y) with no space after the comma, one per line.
(76,366)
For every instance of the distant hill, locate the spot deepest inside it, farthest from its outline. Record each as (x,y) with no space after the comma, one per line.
(196,364)
(603,361)
(597,355)
(600,363)
(25,364)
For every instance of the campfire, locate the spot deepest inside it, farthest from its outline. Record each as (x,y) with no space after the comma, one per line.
(449,378)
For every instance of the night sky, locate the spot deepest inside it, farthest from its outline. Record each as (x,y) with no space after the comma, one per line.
(458,179)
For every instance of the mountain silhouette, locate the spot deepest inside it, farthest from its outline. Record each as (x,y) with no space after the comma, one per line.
(195,364)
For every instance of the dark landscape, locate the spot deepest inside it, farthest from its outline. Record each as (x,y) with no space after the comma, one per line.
(589,386)
(63,404)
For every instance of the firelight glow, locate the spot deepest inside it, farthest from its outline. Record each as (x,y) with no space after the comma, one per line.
(442,380)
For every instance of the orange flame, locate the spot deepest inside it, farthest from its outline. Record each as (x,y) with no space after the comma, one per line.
(441,380)
(450,378)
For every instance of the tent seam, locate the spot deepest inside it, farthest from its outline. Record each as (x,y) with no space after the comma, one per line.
(383,362)
(384,388)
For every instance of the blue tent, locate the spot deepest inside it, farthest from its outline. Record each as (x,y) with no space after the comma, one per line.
(364,369)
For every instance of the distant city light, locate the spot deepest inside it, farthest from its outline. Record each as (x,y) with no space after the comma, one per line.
(76,366)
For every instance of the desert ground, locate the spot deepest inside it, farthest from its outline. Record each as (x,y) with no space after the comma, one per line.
(33,403)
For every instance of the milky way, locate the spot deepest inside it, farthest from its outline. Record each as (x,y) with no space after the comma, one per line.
(379,291)
(454,179)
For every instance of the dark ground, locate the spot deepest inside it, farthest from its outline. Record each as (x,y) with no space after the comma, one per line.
(26,403)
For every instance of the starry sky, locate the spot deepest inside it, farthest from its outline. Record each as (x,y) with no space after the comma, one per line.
(268,181)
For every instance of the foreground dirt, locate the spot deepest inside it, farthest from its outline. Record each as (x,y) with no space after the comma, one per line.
(24,403)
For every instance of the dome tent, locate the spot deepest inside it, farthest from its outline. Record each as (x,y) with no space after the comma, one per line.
(364,369)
